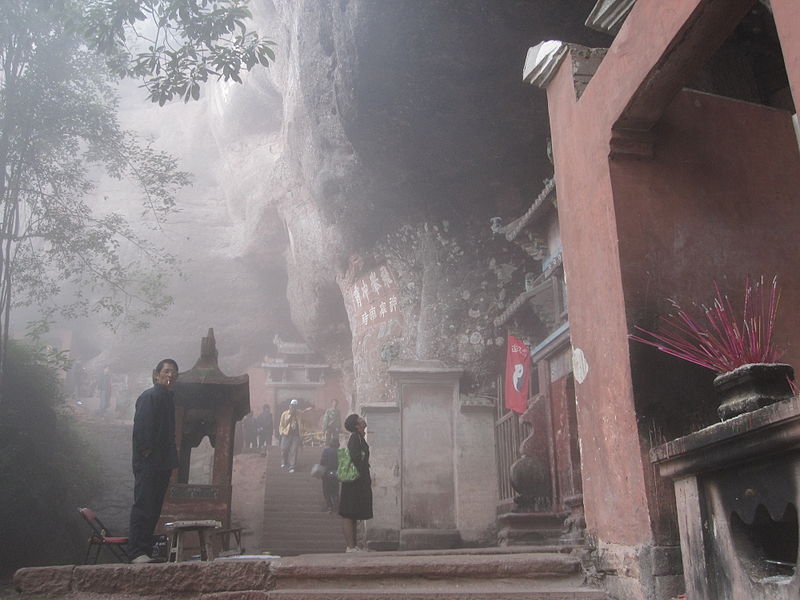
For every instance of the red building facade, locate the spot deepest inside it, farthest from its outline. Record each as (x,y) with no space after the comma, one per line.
(662,190)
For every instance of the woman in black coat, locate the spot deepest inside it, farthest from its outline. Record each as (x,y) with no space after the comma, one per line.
(355,499)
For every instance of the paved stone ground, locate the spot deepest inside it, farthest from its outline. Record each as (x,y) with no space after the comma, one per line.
(247,504)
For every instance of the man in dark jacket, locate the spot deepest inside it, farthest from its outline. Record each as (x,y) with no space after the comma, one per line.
(264,427)
(154,457)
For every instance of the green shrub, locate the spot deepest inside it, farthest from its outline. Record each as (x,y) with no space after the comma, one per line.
(45,468)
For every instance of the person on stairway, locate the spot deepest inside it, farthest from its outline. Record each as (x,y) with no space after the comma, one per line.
(264,428)
(291,430)
(355,502)
(330,483)
(332,422)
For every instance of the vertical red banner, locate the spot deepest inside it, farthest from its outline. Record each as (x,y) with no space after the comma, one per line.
(518,375)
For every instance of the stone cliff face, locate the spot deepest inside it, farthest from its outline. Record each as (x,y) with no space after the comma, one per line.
(344,196)
(407,127)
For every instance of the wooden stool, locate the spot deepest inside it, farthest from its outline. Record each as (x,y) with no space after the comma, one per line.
(201,527)
(224,536)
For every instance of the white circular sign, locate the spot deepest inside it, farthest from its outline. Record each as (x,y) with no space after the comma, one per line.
(579,365)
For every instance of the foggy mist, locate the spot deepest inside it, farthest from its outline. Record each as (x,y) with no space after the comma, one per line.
(338,217)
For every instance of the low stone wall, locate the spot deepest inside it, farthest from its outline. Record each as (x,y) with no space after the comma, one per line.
(148,582)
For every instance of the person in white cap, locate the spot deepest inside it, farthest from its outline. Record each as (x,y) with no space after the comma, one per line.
(291,430)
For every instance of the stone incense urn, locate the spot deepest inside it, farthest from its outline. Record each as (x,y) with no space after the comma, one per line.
(752,386)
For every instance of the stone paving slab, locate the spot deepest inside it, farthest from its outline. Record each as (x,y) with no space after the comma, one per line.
(399,594)
(377,565)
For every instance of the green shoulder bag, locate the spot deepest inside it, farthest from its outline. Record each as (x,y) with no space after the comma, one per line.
(345,469)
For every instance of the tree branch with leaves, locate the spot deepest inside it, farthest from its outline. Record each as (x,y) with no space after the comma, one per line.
(61,248)
(174,46)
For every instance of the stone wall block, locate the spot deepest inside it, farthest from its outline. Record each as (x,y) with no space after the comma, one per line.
(668,586)
(152,579)
(181,578)
(238,575)
(667,560)
(239,595)
(44,580)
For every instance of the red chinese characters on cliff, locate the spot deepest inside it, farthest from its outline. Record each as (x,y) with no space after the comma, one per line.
(374,299)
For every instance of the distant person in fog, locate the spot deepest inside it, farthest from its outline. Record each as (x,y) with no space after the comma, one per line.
(355,500)
(332,422)
(104,387)
(264,426)
(154,456)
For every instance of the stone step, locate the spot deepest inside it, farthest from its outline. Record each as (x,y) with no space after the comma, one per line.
(283,543)
(348,569)
(357,576)
(293,513)
(429,576)
(567,593)
(307,507)
(312,512)
(274,531)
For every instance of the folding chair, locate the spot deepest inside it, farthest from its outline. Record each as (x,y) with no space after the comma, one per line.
(101,538)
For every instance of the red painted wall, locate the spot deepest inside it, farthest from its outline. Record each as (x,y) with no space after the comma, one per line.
(717,202)
(787,21)
(613,482)
(637,229)
(565,450)
(720,199)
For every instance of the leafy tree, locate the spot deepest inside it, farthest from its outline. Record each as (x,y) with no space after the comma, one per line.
(59,61)
(58,124)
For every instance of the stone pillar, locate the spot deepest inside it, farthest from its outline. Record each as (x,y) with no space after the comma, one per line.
(431,486)
(476,470)
(428,395)
(383,436)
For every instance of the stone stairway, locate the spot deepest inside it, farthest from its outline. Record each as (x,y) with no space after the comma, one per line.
(294,522)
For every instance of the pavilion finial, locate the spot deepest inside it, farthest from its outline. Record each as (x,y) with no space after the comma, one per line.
(208,348)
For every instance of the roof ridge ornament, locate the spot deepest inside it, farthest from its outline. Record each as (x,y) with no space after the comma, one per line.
(513,229)
(542,61)
(208,349)
(206,370)
(608,16)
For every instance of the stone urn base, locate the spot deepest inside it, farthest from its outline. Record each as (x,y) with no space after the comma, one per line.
(750,387)
(530,478)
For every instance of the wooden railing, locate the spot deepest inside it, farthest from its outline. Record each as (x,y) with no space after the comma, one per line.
(507,440)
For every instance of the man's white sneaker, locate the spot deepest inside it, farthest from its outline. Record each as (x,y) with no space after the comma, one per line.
(143,559)
(354,549)
(291,470)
